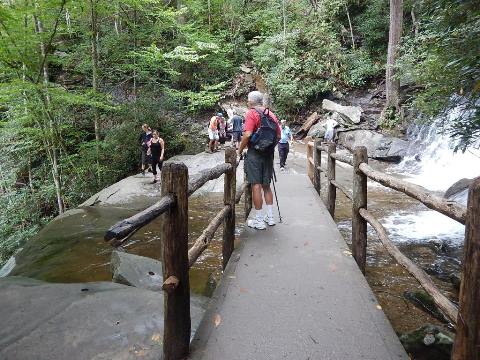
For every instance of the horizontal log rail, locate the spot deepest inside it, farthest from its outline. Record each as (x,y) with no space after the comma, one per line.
(343,158)
(202,242)
(200,179)
(361,216)
(434,202)
(322,148)
(343,189)
(443,303)
(123,229)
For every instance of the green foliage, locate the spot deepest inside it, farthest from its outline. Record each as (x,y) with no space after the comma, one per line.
(444,61)
(310,62)
(372,25)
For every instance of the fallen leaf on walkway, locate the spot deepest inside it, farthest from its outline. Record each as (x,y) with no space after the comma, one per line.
(157,337)
(379,307)
(232,277)
(243,290)
(348,253)
(332,267)
(306,243)
(217,320)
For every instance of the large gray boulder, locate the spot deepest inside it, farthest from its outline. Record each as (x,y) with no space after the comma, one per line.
(137,192)
(138,271)
(379,146)
(317,131)
(351,114)
(100,320)
(459,191)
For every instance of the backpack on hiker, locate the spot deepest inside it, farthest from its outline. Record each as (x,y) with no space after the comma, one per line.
(265,138)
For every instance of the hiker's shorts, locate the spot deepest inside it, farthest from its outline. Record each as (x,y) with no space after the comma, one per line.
(145,157)
(258,167)
(213,134)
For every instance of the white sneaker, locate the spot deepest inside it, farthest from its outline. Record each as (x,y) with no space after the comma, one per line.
(254,223)
(269,220)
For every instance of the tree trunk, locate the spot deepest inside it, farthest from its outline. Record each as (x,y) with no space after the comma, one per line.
(96,118)
(467,341)
(414,21)
(351,28)
(395,33)
(53,148)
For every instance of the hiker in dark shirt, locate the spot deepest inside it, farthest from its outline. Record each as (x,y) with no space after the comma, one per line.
(157,149)
(237,125)
(143,139)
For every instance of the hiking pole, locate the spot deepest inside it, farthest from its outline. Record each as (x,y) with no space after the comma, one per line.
(275,191)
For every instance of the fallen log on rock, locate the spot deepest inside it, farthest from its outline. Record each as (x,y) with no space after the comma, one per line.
(311,120)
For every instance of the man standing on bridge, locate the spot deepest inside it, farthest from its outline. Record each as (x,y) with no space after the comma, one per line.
(262,132)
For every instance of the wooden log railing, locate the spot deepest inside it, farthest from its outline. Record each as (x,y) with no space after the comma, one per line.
(123,229)
(465,317)
(177,258)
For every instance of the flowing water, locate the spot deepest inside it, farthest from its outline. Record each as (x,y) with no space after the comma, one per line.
(432,240)
(72,249)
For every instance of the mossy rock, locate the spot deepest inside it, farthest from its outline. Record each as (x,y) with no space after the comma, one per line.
(428,343)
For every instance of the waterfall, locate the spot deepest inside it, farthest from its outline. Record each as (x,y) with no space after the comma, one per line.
(431,161)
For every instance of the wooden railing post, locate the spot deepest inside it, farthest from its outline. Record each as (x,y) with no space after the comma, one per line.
(174,235)
(317,159)
(310,169)
(332,190)
(467,340)
(359,224)
(248,195)
(229,199)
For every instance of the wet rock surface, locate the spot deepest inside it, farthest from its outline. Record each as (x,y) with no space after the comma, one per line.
(459,191)
(99,320)
(136,191)
(379,146)
(139,271)
(429,342)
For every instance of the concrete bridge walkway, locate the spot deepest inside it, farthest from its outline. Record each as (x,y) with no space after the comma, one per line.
(295,292)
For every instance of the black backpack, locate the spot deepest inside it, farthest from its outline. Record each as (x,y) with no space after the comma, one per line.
(265,138)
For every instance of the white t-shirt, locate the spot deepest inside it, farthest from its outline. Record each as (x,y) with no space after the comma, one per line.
(330,124)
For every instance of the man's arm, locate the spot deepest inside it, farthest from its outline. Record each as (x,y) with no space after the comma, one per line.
(245,139)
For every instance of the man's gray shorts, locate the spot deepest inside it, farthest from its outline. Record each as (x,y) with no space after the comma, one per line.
(258,167)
